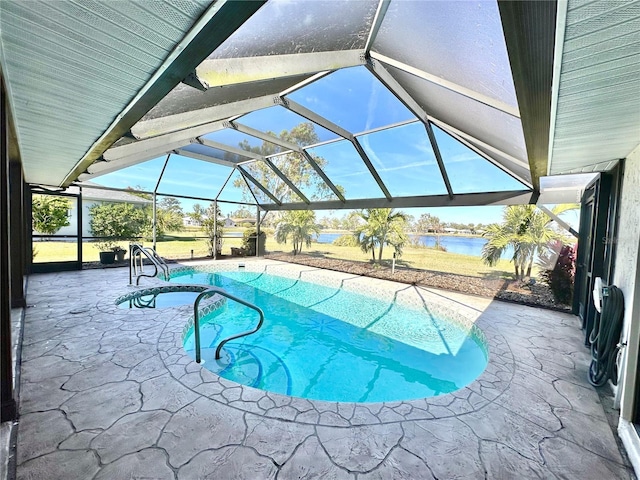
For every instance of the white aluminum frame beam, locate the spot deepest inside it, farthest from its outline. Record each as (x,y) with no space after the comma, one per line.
(377,69)
(182,121)
(227,148)
(381,11)
(108,166)
(264,136)
(231,71)
(338,130)
(515,197)
(169,141)
(257,157)
(454,87)
(204,158)
(290,146)
(264,190)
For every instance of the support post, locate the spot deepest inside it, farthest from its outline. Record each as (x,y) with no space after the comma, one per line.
(257,231)
(79,232)
(154,219)
(27,232)
(155,192)
(8,410)
(215,229)
(16,233)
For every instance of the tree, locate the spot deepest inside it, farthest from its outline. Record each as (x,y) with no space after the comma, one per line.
(527,230)
(197,214)
(299,226)
(50,213)
(351,221)
(428,223)
(382,227)
(213,229)
(293,165)
(242,212)
(113,222)
(169,216)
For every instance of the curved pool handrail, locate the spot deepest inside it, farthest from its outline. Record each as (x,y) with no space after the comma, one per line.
(135,251)
(196,320)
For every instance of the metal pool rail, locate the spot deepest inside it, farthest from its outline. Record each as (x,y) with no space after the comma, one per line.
(136,253)
(196,321)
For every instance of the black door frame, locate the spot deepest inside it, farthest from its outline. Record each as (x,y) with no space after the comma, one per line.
(48,267)
(596,241)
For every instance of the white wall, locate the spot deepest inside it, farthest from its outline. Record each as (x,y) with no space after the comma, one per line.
(73,218)
(627,278)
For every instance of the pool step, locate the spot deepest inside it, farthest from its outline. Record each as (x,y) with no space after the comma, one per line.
(257,367)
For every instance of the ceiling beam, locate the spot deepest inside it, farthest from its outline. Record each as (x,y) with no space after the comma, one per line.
(519,170)
(231,71)
(372,169)
(228,148)
(381,11)
(454,87)
(518,197)
(290,146)
(383,75)
(286,180)
(264,190)
(315,118)
(169,141)
(305,82)
(204,158)
(264,136)
(182,121)
(459,133)
(255,156)
(103,167)
(338,130)
(323,175)
(216,25)
(436,152)
(392,84)
(530,33)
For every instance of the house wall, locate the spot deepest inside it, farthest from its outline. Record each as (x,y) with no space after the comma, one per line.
(73,218)
(627,278)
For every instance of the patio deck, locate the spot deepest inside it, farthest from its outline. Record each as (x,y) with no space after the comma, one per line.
(109,393)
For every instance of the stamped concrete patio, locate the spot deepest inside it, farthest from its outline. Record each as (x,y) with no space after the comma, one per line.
(110,394)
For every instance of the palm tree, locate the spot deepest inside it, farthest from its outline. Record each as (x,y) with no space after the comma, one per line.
(382,227)
(527,230)
(299,225)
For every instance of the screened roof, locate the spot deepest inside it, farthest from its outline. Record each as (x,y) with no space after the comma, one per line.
(318,104)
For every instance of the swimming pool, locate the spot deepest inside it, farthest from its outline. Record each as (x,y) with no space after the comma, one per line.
(327,343)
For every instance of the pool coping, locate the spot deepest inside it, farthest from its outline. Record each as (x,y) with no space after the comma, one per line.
(484,390)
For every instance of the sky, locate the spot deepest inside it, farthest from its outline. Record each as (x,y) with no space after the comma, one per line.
(356,101)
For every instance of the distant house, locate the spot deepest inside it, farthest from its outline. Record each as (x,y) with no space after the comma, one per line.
(187,221)
(92,196)
(236,222)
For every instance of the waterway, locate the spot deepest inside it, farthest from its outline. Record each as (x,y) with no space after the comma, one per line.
(453,243)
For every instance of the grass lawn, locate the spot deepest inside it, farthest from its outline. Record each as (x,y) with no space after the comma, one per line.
(181,245)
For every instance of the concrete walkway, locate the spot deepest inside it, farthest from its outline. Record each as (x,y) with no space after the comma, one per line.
(110,394)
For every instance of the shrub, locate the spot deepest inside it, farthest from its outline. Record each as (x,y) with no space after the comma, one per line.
(249,241)
(559,275)
(49,213)
(346,241)
(113,222)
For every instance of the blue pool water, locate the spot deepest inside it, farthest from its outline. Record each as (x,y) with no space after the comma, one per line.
(325,343)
